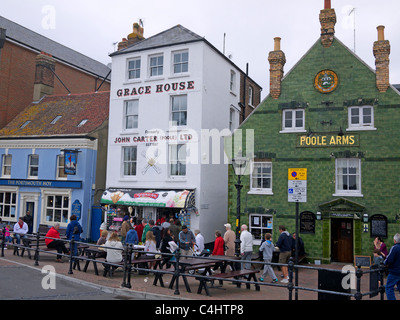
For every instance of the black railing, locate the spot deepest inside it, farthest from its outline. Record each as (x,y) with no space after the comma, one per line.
(177,273)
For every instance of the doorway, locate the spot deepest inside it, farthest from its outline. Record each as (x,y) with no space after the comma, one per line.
(342,240)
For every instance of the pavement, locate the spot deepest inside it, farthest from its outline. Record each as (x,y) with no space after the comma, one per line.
(142,285)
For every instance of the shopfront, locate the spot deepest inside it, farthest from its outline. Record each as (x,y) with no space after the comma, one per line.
(148,204)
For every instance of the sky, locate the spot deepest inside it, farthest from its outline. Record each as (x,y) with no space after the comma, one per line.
(94,27)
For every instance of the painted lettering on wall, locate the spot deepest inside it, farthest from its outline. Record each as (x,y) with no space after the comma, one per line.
(329,140)
(160,88)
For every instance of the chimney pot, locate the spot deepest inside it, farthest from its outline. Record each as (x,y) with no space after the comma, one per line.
(327,4)
(277,44)
(381,33)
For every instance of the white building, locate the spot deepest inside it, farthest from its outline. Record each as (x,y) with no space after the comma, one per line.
(169,94)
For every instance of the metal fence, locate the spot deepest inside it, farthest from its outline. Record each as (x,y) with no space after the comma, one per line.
(34,242)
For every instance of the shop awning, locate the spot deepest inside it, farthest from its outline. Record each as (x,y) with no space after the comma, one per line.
(182,199)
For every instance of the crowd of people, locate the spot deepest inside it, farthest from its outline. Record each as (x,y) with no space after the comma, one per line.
(167,234)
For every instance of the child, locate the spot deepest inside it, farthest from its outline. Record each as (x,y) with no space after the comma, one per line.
(378,258)
(267,248)
(150,246)
(8,235)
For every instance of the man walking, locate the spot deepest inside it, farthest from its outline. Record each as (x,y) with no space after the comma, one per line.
(246,246)
(393,261)
(285,250)
(186,240)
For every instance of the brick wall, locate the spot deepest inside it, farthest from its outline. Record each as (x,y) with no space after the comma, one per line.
(17,76)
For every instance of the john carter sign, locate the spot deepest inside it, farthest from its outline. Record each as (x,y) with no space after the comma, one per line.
(328,140)
(159,88)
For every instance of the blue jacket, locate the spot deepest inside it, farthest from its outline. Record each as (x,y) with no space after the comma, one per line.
(393,259)
(284,242)
(70,230)
(132,237)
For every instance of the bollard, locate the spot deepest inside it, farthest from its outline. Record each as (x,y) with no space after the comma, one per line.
(130,250)
(37,249)
(3,241)
(381,280)
(177,255)
(71,254)
(359,273)
(124,285)
(290,284)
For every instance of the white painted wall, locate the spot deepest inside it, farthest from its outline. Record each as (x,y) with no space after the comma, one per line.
(209,105)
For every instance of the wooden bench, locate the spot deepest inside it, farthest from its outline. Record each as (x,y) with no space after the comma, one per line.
(134,263)
(233,275)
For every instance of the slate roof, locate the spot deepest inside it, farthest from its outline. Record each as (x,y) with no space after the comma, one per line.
(40,43)
(173,36)
(72,108)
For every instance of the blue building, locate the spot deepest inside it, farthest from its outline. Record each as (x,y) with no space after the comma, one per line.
(53,160)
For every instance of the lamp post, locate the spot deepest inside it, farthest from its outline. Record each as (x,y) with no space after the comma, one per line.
(239,166)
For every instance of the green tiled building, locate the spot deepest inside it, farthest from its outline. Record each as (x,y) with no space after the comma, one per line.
(339,119)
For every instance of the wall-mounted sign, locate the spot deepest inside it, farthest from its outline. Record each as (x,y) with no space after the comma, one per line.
(297,185)
(159,88)
(70,161)
(307,222)
(379,225)
(328,140)
(326,81)
(76,209)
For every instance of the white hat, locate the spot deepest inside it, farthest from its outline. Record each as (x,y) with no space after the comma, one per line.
(228,225)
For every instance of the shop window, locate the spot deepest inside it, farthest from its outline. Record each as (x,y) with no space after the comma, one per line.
(57,208)
(260,224)
(8,204)
(348,177)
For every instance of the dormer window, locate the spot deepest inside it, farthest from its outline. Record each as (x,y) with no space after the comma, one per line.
(25,124)
(83,122)
(56,119)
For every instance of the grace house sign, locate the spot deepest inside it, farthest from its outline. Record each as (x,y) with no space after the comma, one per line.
(159,88)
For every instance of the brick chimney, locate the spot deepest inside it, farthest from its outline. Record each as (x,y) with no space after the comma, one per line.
(136,35)
(277,61)
(44,77)
(132,38)
(123,44)
(327,17)
(381,53)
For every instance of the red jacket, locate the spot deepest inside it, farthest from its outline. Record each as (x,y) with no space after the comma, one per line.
(219,245)
(52,233)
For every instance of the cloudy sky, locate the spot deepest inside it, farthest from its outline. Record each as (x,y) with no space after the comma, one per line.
(93,27)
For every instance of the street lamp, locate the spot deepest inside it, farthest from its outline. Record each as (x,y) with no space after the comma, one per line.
(239,165)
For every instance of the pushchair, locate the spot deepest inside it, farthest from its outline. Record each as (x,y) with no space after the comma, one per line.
(197,253)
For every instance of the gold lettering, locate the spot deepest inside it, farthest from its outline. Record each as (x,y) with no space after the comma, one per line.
(302,139)
(324,140)
(333,141)
(351,138)
(345,140)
